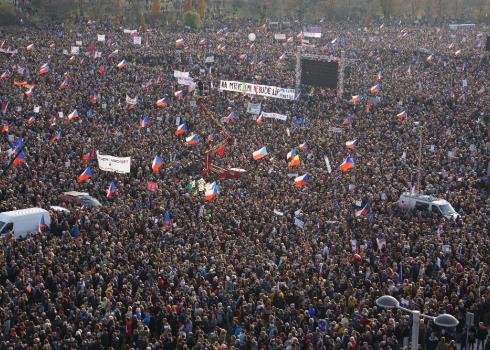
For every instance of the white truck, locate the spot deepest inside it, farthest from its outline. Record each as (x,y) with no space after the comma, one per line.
(22,222)
(427,204)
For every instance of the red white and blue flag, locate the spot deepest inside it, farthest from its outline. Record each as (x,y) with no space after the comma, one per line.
(111,191)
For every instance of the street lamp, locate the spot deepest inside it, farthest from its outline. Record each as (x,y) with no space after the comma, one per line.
(443,320)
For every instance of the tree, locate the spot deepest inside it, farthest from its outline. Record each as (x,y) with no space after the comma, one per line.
(188,6)
(387,7)
(202,8)
(192,19)
(59,10)
(7,14)
(155,8)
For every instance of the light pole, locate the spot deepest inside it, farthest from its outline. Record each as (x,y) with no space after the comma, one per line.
(443,320)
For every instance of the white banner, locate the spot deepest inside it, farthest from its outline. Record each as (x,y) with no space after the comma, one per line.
(100,37)
(327,163)
(131,101)
(254,108)
(130,31)
(279,36)
(115,164)
(335,129)
(209,59)
(78,43)
(8,51)
(137,40)
(275,116)
(312,35)
(75,50)
(254,89)
(186,81)
(179,74)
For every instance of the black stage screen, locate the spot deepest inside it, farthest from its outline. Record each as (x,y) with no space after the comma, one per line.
(319,73)
(487,46)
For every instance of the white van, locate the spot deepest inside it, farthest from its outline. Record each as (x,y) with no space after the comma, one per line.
(427,204)
(23,221)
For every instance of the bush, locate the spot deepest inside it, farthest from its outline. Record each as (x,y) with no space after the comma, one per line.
(192,19)
(7,14)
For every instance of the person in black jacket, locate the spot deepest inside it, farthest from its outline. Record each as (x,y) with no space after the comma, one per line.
(481,335)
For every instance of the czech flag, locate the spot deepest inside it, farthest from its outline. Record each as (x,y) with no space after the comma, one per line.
(260,119)
(291,153)
(347,164)
(179,93)
(30,47)
(303,146)
(41,227)
(364,211)
(144,122)
(73,115)
(203,42)
(5,105)
(29,92)
(87,174)
(156,164)
(92,97)
(356,99)
(232,116)
(378,76)
(243,57)
(19,159)
(44,68)
(56,136)
(64,84)
(192,140)
(211,191)
(31,120)
(113,53)
(402,116)
(179,42)
(351,144)
(5,74)
(375,89)
(20,83)
(5,128)
(122,64)
(167,219)
(181,129)
(347,121)
(221,48)
(111,191)
(302,180)
(261,153)
(295,161)
(163,102)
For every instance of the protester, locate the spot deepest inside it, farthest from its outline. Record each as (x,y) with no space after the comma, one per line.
(264,264)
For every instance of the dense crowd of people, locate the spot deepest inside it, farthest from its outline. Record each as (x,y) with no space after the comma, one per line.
(265,264)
